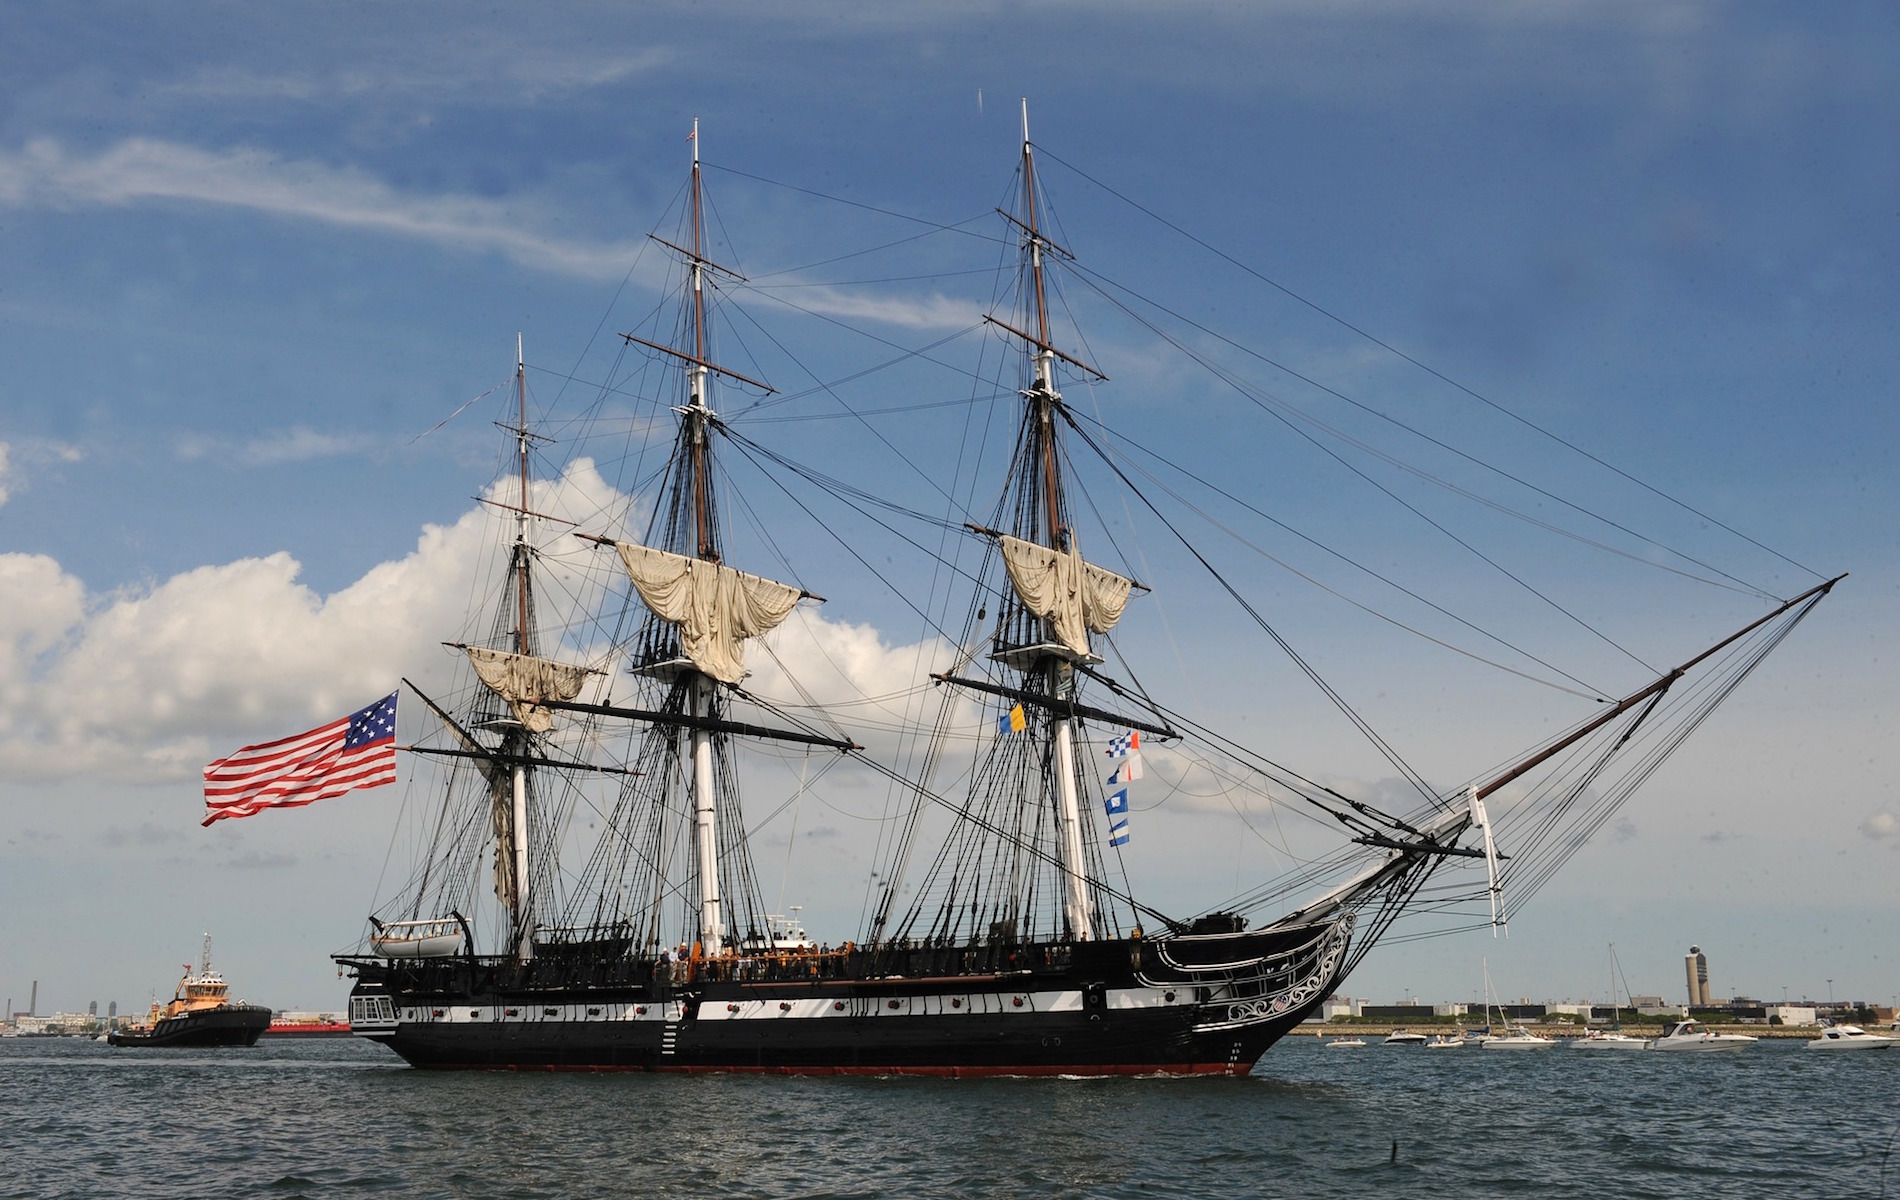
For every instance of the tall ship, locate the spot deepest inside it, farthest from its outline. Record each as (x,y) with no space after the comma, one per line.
(587,890)
(200,1013)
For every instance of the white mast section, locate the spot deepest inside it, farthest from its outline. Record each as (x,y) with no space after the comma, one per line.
(705,791)
(1076,907)
(518,830)
(706,824)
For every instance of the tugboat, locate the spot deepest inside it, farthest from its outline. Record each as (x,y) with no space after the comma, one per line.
(200,1014)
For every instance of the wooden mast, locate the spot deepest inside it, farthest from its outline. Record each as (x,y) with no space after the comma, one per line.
(1077,911)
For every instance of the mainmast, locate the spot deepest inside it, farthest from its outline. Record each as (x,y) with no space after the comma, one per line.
(1044,399)
(649,567)
(712,608)
(712,930)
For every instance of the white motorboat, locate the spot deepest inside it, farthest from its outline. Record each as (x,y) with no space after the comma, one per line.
(1849,1037)
(1345,1043)
(1516,1037)
(1445,1041)
(1693,1035)
(1598,1039)
(1401,1037)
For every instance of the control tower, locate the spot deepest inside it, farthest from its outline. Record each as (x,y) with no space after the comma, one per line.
(1695,965)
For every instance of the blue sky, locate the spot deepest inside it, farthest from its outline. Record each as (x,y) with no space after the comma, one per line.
(250,260)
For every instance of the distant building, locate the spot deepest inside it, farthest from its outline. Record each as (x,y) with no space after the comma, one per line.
(1792,1014)
(1397,1012)
(1521,1011)
(1695,965)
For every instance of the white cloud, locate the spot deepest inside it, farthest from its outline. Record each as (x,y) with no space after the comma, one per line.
(1880,827)
(147,170)
(522,72)
(142,170)
(296,444)
(145,683)
(31,453)
(148,683)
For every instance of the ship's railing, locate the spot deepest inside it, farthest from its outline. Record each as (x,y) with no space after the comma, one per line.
(682,968)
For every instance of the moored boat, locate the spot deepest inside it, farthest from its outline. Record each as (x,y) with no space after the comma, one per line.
(1695,1037)
(1848,1037)
(1612,1038)
(1600,1039)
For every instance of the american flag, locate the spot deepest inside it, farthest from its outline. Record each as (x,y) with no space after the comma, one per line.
(357,751)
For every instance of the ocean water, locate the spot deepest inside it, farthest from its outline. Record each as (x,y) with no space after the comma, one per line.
(344,1118)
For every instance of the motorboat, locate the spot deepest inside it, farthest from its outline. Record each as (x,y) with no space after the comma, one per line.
(1599,1039)
(1345,1043)
(1694,1035)
(1847,1037)
(1401,1037)
(1445,1041)
(1515,1037)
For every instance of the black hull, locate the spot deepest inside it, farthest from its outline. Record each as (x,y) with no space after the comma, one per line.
(1110,1008)
(233,1025)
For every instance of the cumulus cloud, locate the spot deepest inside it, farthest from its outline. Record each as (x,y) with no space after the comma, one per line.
(142,683)
(1880,827)
(148,683)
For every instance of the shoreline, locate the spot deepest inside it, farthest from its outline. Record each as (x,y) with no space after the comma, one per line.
(1805,1033)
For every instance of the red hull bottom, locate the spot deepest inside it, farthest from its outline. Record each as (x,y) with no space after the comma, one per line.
(1093,1070)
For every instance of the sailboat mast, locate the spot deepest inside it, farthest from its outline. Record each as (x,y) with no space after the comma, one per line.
(1061,672)
(518,827)
(705,808)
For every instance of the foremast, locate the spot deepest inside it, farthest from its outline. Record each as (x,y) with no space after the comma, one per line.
(513,847)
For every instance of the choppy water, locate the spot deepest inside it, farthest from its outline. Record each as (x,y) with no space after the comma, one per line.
(343,1118)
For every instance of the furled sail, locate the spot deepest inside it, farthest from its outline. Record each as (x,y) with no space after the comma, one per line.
(716,607)
(1074,596)
(524,681)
